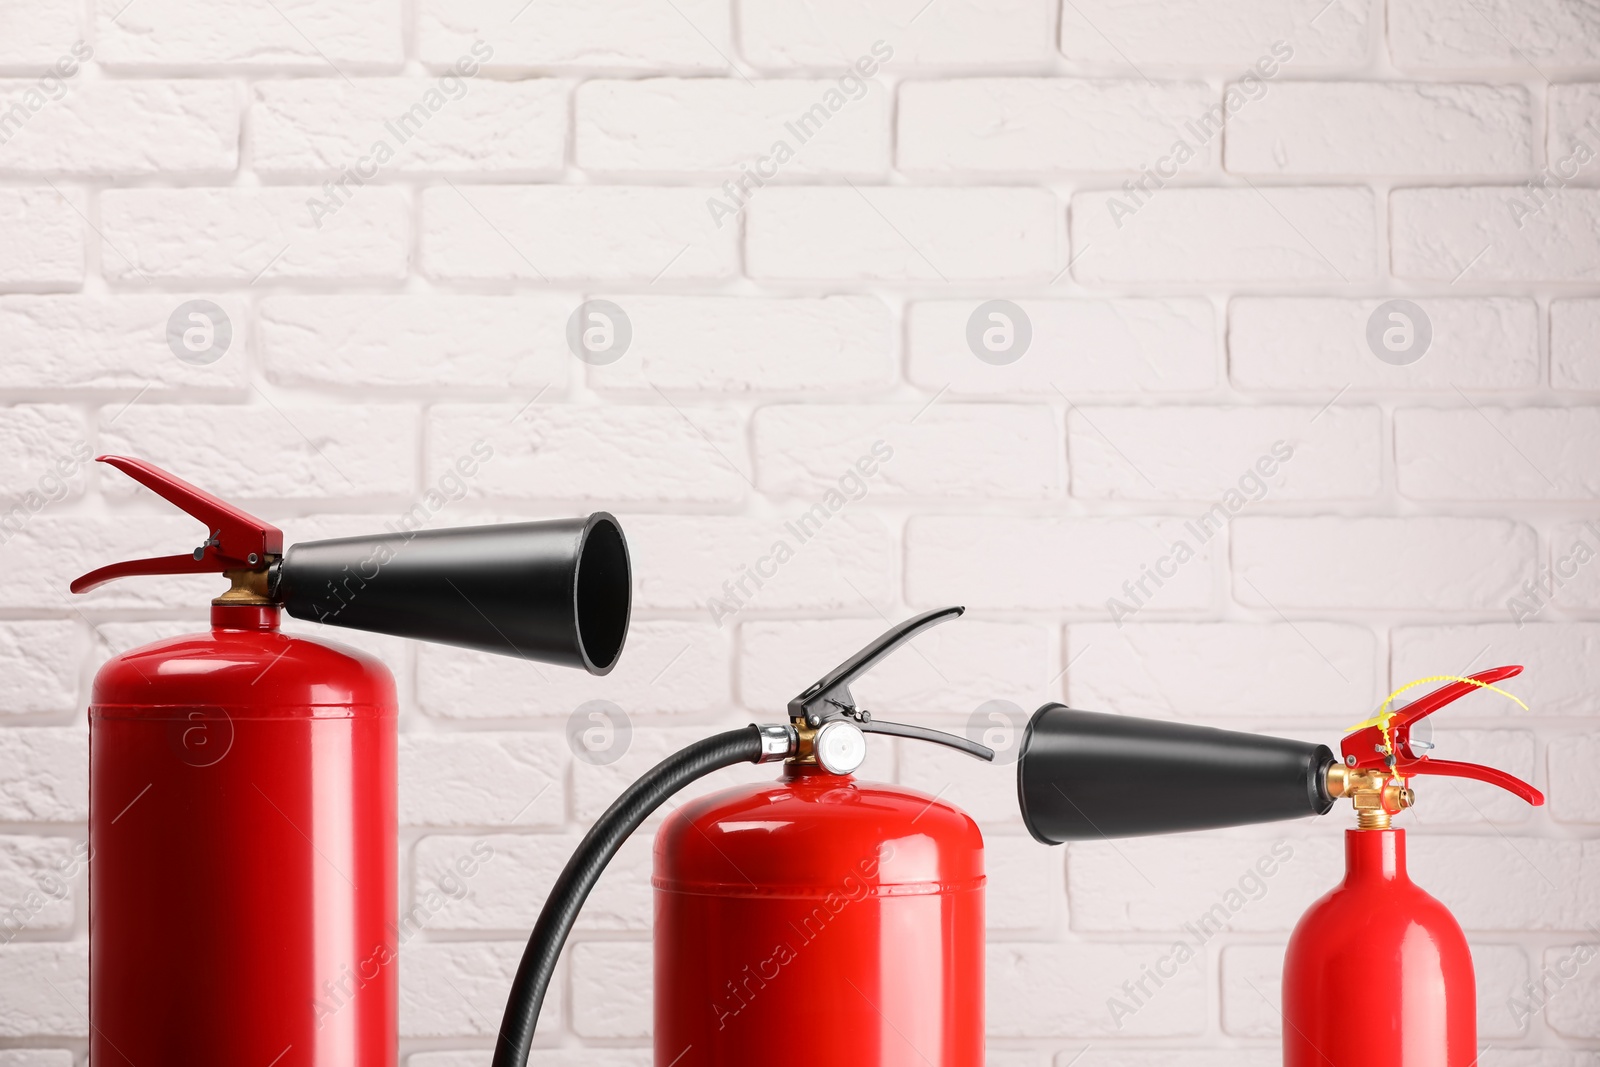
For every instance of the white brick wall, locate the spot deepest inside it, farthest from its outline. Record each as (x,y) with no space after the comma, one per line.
(399,205)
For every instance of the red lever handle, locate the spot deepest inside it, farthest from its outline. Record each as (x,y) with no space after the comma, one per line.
(237,541)
(1377,747)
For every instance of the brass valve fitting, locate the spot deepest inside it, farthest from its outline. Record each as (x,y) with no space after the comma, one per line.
(1374,796)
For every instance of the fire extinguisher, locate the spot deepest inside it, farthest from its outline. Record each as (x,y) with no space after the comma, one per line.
(242,814)
(861,901)
(1377,970)
(1415,1003)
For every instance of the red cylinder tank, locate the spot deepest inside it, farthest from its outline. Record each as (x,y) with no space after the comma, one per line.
(819,920)
(1378,971)
(243,838)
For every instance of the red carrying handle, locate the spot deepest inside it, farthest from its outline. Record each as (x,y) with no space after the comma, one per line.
(237,541)
(1370,749)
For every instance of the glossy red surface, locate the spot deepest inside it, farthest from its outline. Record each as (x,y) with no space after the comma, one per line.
(1378,971)
(819,920)
(243,868)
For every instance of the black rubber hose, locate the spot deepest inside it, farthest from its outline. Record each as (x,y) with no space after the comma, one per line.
(584,868)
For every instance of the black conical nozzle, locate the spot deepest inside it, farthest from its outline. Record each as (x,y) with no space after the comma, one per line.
(555,591)
(1084,775)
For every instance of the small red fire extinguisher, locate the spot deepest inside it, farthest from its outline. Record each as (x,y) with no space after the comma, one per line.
(242,781)
(1377,970)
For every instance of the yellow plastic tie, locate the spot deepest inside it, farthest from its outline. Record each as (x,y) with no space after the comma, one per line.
(1384,715)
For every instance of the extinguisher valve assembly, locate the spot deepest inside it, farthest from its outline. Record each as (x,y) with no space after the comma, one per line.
(826,730)
(1381,754)
(556,591)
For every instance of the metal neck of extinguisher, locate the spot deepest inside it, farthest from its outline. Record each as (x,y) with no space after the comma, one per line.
(827,727)
(1381,755)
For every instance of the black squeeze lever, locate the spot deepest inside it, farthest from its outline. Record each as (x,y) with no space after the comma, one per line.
(829,697)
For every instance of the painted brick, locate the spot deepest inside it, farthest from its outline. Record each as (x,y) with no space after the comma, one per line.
(1024,889)
(1503,34)
(986,791)
(1435,563)
(510,878)
(1381,128)
(39,877)
(1564,658)
(751,344)
(950,670)
(47,990)
(1536,1057)
(459,989)
(1446,801)
(1317,671)
(557,232)
(607,34)
(100,129)
(482,779)
(380,128)
(834,34)
(1494,233)
(1574,357)
(1497,882)
(1572,579)
(230,34)
(1326,235)
(1261,453)
(901,234)
(592,453)
(1231,35)
(45,776)
(1064,991)
(36,1057)
(265,450)
(1077,347)
(1018,562)
(611,989)
(982,450)
(1135,1057)
(1320,344)
(692,564)
(1046,125)
(113,342)
(47,443)
(1574,788)
(1571,132)
(668,668)
(45,551)
(1497,453)
(39,664)
(38,35)
(1570,1010)
(414,341)
(732,128)
(43,249)
(245,235)
(1198,887)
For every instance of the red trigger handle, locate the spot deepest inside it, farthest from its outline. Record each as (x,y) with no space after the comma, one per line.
(1368,748)
(236,540)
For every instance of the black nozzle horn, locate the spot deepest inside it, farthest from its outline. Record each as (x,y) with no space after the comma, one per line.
(1084,775)
(557,591)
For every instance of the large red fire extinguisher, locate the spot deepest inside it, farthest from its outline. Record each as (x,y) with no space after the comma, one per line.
(242,781)
(1415,1003)
(1377,970)
(767,895)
